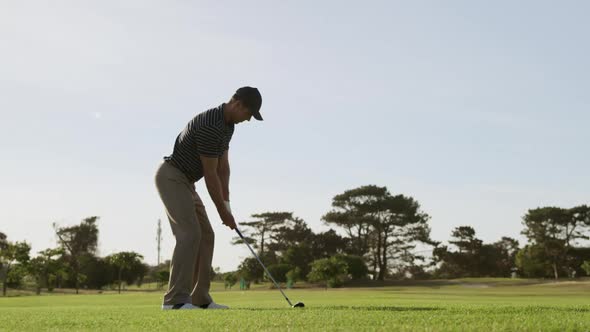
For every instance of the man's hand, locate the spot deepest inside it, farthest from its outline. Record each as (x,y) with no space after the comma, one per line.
(228,219)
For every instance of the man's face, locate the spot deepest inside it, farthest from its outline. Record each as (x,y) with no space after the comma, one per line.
(242,113)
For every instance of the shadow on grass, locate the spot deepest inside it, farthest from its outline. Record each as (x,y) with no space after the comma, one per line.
(508,310)
(436,284)
(380,308)
(542,309)
(357,308)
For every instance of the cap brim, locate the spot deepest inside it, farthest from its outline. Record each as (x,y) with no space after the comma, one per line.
(257,116)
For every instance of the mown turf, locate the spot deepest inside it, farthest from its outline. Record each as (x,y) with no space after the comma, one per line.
(463,306)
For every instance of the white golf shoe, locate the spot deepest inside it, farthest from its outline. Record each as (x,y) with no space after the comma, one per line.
(214,305)
(179,306)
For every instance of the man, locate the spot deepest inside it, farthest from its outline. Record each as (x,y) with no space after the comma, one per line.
(200,151)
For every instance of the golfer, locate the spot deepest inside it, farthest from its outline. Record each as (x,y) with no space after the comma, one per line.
(200,151)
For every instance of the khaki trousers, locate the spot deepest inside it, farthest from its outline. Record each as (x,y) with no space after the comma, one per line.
(191,262)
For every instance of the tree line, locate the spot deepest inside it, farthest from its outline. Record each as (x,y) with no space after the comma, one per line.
(374,236)
(72,264)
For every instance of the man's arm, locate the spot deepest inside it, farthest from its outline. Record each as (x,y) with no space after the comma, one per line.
(214,187)
(223,173)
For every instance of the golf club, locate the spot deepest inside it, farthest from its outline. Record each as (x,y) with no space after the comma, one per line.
(296,305)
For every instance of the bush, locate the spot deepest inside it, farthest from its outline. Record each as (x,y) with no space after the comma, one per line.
(230,279)
(329,270)
(335,283)
(15,276)
(98,271)
(162,276)
(251,270)
(355,266)
(279,271)
(294,275)
(300,256)
(586,267)
(532,262)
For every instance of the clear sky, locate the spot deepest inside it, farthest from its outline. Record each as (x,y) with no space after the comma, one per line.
(477,109)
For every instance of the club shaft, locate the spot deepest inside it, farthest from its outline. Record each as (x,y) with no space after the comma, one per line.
(264,267)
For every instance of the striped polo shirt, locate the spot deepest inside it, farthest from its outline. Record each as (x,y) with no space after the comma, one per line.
(207,135)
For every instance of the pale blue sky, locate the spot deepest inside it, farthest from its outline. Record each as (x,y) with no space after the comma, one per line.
(478,109)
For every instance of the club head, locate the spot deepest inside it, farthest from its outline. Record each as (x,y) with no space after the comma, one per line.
(299,305)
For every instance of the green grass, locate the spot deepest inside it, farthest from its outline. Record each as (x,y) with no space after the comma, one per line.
(483,305)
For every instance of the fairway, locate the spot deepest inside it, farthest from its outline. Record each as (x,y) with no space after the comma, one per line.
(471,305)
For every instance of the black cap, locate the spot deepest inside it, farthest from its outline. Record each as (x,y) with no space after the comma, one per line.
(251,98)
